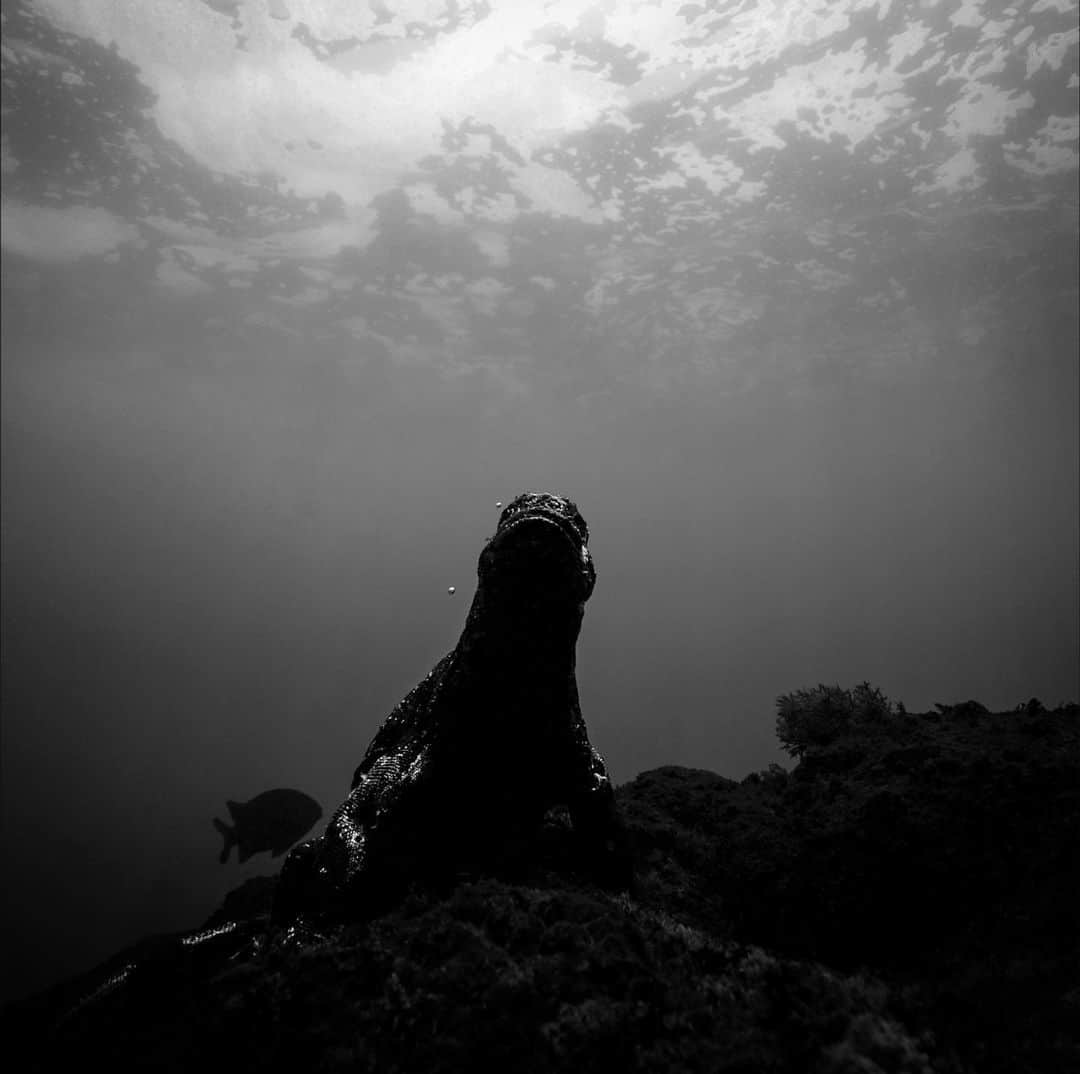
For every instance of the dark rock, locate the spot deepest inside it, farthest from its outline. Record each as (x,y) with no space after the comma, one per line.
(912,913)
(965,710)
(969,710)
(947,864)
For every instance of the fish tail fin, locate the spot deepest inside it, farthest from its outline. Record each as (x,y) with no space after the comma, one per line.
(229,835)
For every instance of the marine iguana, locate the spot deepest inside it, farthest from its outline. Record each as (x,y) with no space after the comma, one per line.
(460,775)
(458,778)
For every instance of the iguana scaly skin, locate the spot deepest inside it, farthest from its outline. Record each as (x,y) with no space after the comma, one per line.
(458,778)
(461,773)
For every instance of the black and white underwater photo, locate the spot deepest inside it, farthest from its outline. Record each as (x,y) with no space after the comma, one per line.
(540,536)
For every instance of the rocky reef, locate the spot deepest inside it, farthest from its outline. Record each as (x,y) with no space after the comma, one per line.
(903,900)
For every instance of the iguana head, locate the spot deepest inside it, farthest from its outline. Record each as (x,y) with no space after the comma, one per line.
(539,555)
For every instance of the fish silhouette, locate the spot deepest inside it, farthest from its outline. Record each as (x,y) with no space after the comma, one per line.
(273,820)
